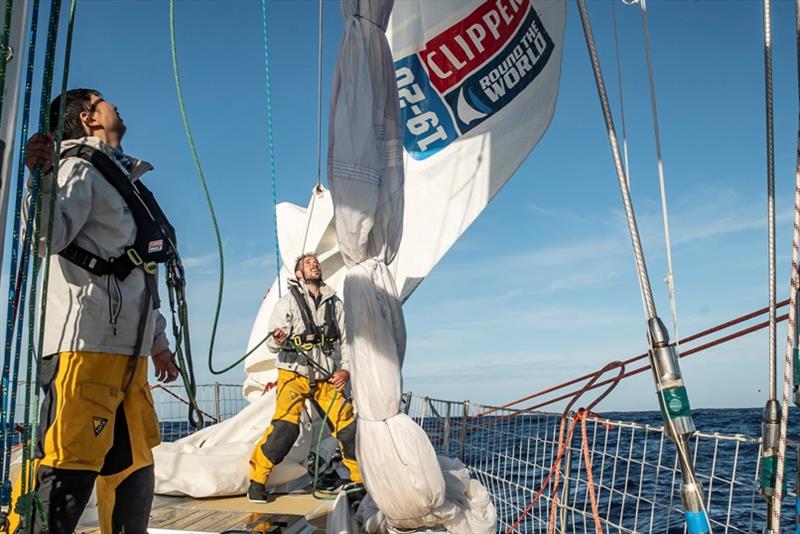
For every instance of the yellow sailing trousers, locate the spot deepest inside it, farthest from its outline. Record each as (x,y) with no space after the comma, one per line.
(293,390)
(98,423)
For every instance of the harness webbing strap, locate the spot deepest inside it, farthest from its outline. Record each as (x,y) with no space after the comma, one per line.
(141,202)
(305,312)
(331,326)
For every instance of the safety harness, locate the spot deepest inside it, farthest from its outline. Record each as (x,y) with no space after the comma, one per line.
(325,337)
(155,236)
(155,243)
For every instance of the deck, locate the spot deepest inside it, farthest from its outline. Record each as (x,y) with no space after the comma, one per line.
(286,514)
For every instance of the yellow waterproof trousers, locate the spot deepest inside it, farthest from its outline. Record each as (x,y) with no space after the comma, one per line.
(97,423)
(293,390)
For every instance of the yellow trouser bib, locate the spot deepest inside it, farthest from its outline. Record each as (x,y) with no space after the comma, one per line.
(293,390)
(84,392)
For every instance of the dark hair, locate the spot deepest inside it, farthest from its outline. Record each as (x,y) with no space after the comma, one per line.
(77,102)
(299,262)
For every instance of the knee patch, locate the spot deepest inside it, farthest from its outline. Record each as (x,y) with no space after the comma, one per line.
(347,437)
(280,441)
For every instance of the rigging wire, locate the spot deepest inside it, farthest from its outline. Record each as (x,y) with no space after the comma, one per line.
(771,427)
(791,336)
(622,107)
(670,279)
(696,519)
(770,197)
(319,97)
(271,146)
(621,93)
(318,189)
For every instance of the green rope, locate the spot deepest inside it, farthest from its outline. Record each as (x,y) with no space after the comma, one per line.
(203,184)
(52,207)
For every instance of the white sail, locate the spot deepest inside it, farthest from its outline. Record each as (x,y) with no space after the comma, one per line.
(477,83)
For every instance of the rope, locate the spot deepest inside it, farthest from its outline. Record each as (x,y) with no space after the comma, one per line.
(13,291)
(203,185)
(271,147)
(642,356)
(670,279)
(4,377)
(563,443)
(35,215)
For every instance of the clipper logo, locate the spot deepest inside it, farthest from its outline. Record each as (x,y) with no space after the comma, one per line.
(469,72)
(99,423)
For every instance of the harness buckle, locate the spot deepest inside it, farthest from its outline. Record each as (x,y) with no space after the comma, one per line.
(134,256)
(299,343)
(150,267)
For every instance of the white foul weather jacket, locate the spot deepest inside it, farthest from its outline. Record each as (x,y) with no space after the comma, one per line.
(287,317)
(86,312)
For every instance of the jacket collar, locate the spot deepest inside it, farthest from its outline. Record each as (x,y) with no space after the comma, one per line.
(138,167)
(325,290)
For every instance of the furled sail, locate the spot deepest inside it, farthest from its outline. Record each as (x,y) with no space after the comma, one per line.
(444,100)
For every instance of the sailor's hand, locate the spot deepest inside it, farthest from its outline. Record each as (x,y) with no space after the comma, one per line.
(339,379)
(165,368)
(279,335)
(39,151)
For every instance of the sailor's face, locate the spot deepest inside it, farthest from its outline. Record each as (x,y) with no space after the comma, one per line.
(105,115)
(310,269)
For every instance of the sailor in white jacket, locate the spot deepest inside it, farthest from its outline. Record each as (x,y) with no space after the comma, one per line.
(307,328)
(98,422)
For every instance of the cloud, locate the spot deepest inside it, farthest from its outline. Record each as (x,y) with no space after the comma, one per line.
(262,260)
(198,261)
(556,213)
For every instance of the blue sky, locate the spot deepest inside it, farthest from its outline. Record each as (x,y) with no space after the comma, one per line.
(542,286)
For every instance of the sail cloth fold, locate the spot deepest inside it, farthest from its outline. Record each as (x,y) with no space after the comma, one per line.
(399,465)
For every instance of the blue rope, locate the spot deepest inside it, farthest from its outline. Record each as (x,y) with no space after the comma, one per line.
(31,241)
(7,427)
(271,148)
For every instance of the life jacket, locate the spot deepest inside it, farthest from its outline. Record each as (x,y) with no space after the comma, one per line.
(325,336)
(155,236)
